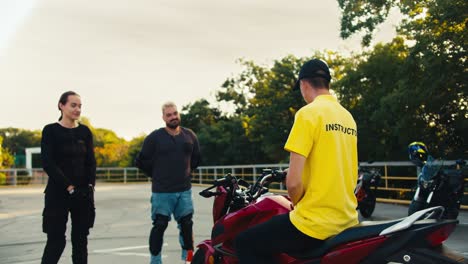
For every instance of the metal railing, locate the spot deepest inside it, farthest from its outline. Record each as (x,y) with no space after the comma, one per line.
(397,184)
(18,177)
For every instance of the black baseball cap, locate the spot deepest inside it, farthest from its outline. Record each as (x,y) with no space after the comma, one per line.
(312,69)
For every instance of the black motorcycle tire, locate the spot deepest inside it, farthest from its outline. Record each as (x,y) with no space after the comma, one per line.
(199,256)
(416,206)
(367,206)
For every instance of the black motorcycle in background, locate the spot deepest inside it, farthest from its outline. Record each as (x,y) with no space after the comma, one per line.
(439,187)
(368,180)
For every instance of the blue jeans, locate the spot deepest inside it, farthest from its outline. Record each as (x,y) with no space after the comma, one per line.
(178,204)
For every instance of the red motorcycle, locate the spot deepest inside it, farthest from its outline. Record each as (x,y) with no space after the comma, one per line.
(237,206)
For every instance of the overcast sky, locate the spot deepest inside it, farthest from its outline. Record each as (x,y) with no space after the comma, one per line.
(127,57)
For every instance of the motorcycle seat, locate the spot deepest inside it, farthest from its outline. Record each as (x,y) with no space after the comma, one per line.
(363,230)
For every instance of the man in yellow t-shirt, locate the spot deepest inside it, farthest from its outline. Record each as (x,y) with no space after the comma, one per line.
(321,178)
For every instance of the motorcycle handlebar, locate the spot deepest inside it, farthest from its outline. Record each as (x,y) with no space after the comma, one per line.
(255,191)
(226,181)
(223,181)
(259,188)
(277,175)
(208,194)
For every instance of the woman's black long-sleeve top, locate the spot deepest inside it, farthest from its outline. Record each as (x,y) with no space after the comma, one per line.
(68,157)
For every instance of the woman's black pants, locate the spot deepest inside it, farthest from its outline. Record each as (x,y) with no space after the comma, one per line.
(54,224)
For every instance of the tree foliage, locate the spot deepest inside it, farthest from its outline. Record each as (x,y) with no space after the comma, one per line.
(429,100)
(370,91)
(264,106)
(413,88)
(6,159)
(421,19)
(363,16)
(222,138)
(110,150)
(16,140)
(134,147)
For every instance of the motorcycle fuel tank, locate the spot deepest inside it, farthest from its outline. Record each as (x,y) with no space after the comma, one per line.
(228,227)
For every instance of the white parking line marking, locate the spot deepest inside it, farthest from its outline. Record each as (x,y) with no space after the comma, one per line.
(118,249)
(132,254)
(29,262)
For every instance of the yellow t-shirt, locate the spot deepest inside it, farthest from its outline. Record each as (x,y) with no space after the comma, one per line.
(325,133)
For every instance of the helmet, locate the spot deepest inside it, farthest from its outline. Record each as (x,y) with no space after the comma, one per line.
(417,153)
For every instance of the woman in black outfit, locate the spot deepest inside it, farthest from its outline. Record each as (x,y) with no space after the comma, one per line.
(68,158)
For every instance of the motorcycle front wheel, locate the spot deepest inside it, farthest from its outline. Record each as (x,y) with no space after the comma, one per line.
(367,206)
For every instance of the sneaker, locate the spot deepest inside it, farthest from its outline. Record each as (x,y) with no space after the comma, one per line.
(156,259)
(188,256)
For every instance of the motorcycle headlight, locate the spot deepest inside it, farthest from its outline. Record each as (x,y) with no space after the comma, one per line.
(426,184)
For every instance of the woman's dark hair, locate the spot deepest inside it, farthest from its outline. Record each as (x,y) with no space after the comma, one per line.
(63,100)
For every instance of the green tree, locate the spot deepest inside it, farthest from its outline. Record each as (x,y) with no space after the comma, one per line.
(109,149)
(271,110)
(111,154)
(430,86)
(368,91)
(16,140)
(134,147)
(226,143)
(264,100)
(222,138)
(106,136)
(363,16)
(199,114)
(263,109)
(6,161)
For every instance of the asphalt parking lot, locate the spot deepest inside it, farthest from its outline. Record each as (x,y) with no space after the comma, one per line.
(120,235)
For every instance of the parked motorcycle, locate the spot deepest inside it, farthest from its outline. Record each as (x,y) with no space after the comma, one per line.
(439,187)
(238,206)
(368,180)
